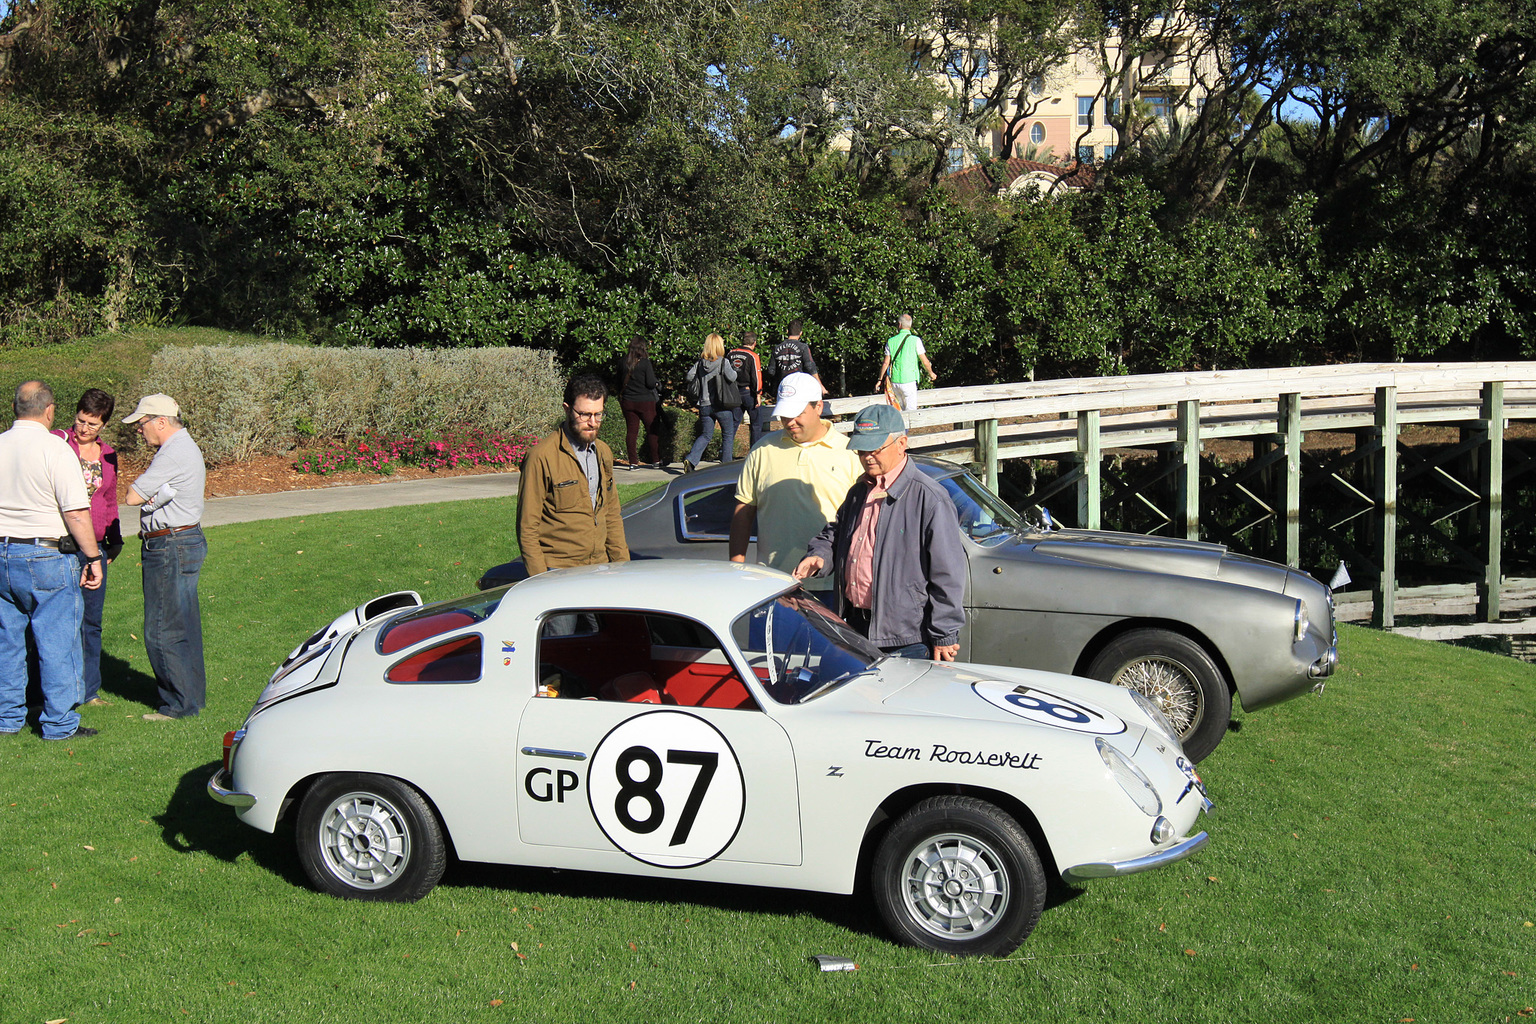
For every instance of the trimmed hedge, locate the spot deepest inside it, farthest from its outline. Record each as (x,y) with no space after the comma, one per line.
(265,399)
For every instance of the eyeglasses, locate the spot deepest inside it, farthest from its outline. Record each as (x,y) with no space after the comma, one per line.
(587,415)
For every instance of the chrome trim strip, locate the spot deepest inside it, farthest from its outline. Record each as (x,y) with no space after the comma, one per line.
(1114,869)
(564,755)
(219,788)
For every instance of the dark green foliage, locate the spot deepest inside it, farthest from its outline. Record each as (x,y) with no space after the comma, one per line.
(364,173)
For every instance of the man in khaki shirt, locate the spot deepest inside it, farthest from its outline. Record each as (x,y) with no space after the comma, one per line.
(793,482)
(44,508)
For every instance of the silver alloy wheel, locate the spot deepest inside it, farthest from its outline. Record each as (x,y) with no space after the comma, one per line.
(364,840)
(956,886)
(1170,684)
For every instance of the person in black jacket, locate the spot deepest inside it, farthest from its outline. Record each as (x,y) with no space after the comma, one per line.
(749,379)
(637,400)
(788,356)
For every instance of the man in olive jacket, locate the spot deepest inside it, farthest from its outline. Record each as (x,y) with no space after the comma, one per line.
(567,507)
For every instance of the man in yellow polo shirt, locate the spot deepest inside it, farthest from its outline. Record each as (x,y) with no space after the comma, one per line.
(793,482)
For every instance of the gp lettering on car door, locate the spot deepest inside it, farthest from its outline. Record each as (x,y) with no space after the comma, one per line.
(673,786)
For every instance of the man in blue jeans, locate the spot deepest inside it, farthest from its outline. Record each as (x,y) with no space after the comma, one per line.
(170,500)
(43,505)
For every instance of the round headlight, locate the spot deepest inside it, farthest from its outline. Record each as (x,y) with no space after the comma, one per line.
(1160,720)
(1136,785)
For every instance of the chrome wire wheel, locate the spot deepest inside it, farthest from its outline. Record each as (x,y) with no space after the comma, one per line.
(1178,675)
(364,840)
(956,886)
(1171,686)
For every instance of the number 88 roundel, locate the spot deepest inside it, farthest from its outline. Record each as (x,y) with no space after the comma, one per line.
(666,788)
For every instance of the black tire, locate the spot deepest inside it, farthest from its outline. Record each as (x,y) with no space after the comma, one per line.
(957,875)
(1179,675)
(370,837)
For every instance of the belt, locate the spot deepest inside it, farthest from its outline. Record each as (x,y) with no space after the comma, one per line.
(42,542)
(143,535)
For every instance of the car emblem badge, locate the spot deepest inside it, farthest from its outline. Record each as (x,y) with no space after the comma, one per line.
(835,771)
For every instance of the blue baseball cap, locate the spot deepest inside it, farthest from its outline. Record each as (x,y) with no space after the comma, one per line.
(874,426)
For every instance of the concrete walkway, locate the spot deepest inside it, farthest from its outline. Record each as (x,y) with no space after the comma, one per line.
(354,497)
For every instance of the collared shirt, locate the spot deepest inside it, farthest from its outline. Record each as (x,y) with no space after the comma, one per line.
(796,489)
(586,457)
(39,481)
(859,575)
(178,462)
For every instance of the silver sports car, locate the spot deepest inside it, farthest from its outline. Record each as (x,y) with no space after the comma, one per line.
(1185,622)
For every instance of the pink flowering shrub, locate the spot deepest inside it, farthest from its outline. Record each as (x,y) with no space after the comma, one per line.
(451,449)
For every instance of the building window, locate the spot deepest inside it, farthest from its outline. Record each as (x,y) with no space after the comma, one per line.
(1112,108)
(954,67)
(1109,151)
(1037,84)
(1085,154)
(1160,109)
(981,63)
(1037,133)
(1085,111)
(956,158)
(978,102)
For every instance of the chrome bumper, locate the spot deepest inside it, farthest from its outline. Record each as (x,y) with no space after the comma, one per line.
(1178,851)
(219,788)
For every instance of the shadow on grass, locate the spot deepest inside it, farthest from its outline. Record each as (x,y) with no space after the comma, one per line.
(855,913)
(193,822)
(123,680)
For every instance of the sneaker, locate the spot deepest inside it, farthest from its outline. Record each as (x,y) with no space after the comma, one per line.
(688,467)
(82,732)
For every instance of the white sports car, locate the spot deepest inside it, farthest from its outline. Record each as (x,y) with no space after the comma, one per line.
(705,720)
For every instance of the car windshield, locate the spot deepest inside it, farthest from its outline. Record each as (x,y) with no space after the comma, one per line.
(799,650)
(984,517)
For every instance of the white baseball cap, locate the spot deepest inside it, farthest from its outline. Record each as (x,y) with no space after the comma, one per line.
(154,405)
(796,391)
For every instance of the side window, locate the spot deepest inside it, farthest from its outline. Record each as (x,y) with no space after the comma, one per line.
(637,659)
(456,661)
(705,515)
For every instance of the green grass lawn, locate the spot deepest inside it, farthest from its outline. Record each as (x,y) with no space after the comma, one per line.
(1373,858)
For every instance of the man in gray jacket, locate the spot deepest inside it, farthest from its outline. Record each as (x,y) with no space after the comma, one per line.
(895,546)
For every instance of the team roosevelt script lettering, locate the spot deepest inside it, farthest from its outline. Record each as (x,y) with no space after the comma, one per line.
(940,752)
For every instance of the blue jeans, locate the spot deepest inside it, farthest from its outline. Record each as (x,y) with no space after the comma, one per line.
(95,602)
(729,420)
(173,624)
(40,588)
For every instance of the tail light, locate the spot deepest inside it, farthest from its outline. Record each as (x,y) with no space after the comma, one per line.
(229,748)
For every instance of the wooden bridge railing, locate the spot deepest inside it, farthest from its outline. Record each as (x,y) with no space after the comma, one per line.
(1079,419)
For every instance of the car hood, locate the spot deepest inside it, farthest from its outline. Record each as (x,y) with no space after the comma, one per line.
(1129,551)
(1013,696)
(1139,553)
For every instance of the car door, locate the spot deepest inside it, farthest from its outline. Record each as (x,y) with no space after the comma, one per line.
(609,760)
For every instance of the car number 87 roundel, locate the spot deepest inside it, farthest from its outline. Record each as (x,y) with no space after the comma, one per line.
(666,788)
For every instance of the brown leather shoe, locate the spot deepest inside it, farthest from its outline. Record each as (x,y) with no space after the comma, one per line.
(97,702)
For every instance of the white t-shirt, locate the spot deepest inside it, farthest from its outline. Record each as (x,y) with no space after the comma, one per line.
(40,479)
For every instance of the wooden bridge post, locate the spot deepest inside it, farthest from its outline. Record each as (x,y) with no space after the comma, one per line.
(1088,458)
(1491,485)
(1288,419)
(1189,475)
(1384,605)
(986,450)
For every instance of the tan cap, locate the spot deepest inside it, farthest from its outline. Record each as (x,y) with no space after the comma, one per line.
(154,405)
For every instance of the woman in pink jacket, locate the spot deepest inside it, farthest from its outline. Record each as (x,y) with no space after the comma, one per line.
(98,463)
